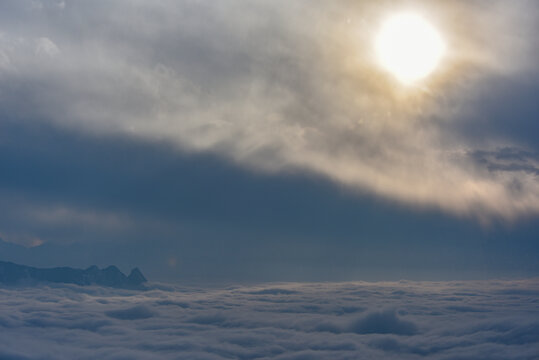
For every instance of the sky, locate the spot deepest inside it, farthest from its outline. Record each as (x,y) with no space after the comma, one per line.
(248,141)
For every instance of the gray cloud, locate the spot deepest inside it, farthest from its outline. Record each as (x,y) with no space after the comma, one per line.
(410,320)
(275,86)
(508,159)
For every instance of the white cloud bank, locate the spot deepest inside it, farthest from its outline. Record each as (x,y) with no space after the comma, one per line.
(387,320)
(278,85)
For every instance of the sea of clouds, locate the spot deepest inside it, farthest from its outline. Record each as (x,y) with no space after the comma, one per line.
(353,320)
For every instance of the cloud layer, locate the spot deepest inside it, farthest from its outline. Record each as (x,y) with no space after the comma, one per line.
(409,320)
(276,86)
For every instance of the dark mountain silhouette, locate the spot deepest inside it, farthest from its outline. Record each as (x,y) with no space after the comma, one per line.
(11,274)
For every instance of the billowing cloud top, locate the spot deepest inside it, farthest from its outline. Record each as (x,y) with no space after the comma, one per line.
(280,85)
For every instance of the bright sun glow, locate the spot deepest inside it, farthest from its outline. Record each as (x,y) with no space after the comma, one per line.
(409,47)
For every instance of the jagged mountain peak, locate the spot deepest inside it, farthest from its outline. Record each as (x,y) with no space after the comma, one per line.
(136,277)
(11,273)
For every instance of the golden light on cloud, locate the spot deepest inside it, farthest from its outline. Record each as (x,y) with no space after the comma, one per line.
(409,47)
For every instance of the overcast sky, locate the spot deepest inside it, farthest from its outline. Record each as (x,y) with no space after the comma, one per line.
(261,140)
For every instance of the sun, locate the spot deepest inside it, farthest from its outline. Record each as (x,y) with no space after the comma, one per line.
(409,47)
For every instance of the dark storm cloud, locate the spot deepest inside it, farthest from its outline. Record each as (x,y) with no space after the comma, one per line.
(113,200)
(411,320)
(275,86)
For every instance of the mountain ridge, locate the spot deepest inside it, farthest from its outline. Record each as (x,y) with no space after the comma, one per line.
(13,274)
